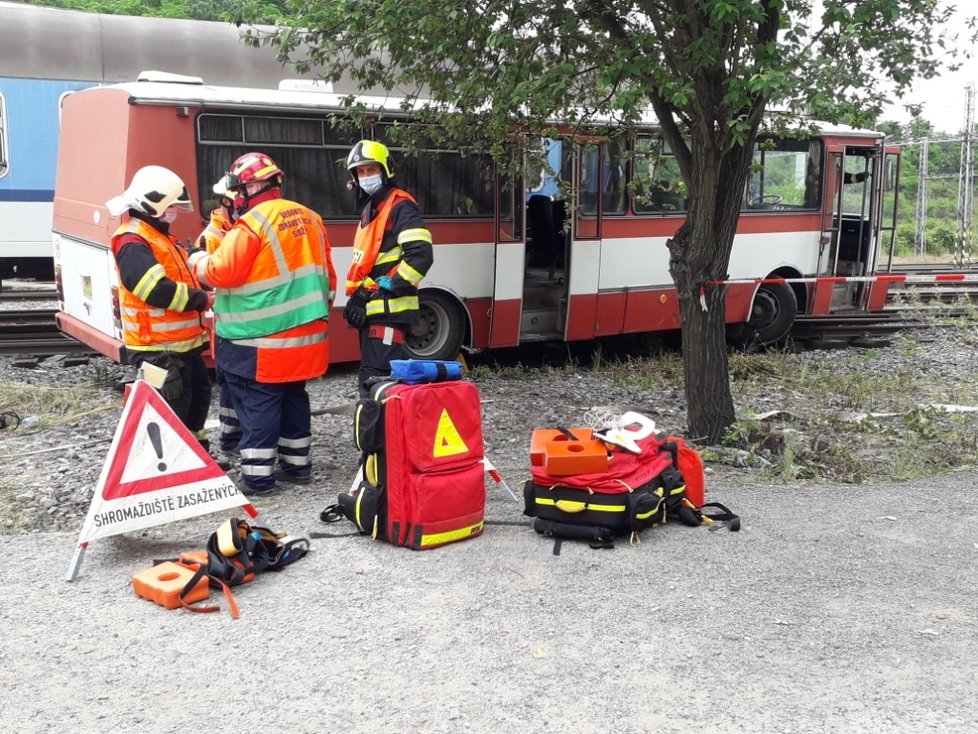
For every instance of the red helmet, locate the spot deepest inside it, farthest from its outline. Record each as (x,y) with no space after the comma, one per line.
(252,167)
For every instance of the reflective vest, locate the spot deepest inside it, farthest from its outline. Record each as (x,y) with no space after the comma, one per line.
(146,327)
(288,284)
(215,230)
(366,243)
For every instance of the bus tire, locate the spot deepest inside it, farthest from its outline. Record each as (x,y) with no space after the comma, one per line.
(439,333)
(772,313)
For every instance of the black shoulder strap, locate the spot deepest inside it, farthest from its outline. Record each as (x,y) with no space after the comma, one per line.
(725,516)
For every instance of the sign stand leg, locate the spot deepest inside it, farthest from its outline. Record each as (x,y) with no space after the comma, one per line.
(497,477)
(76,562)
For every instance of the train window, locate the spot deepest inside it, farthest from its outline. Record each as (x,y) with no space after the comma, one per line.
(4,166)
(657,186)
(785,175)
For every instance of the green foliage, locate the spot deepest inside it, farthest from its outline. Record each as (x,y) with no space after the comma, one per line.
(262,11)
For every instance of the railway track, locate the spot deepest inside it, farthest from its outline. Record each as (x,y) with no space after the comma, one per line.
(32,293)
(33,332)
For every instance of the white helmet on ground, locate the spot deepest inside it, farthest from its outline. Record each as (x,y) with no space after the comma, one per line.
(153,190)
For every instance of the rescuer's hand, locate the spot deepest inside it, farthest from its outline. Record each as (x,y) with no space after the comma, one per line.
(355,311)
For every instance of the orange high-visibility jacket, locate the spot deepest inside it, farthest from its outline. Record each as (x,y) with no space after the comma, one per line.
(366,243)
(146,327)
(215,230)
(275,284)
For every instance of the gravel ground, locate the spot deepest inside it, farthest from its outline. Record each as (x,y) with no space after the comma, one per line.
(837,608)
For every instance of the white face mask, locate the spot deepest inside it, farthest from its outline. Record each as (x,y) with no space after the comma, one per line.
(370,184)
(169,216)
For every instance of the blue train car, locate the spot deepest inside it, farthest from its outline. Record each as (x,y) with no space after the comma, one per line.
(48,53)
(28,155)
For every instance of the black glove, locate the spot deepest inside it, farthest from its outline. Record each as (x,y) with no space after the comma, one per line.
(355,311)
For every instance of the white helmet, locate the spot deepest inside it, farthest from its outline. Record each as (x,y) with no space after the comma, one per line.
(221,188)
(153,190)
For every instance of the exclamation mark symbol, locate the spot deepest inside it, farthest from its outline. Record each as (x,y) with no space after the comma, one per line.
(153,429)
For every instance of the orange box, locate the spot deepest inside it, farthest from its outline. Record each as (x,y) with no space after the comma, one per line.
(563,458)
(543,436)
(164,582)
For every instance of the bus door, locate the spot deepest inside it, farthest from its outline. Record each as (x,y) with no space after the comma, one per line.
(583,267)
(544,278)
(890,196)
(850,218)
(509,258)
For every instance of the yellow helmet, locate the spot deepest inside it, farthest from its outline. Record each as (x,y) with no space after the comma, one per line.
(368,151)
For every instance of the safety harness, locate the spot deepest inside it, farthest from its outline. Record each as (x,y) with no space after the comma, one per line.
(235,555)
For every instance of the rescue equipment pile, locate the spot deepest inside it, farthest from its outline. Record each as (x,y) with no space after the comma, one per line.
(236,553)
(618,479)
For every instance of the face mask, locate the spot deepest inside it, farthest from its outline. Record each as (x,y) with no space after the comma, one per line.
(169,216)
(370,184)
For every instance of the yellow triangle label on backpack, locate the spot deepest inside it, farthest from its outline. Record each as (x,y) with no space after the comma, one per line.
(448,441)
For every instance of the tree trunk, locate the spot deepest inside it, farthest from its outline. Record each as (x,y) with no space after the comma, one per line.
(709,404)
(699,253)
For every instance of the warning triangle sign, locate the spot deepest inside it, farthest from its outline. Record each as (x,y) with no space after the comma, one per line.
(448,441)
(156,471)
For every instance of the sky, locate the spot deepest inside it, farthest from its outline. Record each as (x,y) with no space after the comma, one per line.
(943,98)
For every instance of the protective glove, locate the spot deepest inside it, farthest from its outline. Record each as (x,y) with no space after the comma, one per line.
(355,311)
(385,283)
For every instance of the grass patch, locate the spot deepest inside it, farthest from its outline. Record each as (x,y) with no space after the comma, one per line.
(49,405)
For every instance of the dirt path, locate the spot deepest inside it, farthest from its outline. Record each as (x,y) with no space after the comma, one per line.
(835,609)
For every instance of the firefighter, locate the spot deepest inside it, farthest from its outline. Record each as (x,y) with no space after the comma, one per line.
(221,218)
(161,300)
(220,222)
(274,280)
(391,254)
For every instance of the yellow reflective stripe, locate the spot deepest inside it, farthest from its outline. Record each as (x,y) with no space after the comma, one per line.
(410,235)
(650,513)
(392,255)
(409,274)
(146,284)
(584,505)
(450,535)
(393,305)
(180,298)
(678,490)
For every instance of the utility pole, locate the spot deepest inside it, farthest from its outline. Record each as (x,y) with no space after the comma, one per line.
(920,238)
(965,198)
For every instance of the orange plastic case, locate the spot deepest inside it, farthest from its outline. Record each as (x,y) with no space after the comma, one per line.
(164,582)
(561,456)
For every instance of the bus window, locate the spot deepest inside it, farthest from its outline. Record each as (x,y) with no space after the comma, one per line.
(611,162)
(785,175)
(4,167)
(616,161)
(445,183)
(310,152)
(656,182)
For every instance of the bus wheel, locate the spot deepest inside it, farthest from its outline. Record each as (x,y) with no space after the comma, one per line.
(772,314)
(441,329)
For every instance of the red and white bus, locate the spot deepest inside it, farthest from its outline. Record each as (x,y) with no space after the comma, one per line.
(507,270)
